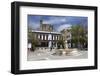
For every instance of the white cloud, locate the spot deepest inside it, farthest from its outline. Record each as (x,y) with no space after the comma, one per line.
(55,20)
(64,26)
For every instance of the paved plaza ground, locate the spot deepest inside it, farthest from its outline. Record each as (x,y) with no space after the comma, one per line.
(49,55)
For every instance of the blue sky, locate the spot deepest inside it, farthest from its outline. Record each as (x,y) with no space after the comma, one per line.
(58,22)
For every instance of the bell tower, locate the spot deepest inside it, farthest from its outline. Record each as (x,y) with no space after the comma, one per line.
(41,23)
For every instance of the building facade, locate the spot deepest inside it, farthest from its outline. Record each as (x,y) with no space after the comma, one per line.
(45,27)
(47,39)
(46,36)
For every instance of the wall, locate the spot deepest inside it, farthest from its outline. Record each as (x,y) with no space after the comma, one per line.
(5,39)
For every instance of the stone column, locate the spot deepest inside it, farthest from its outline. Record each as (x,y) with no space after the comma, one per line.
(45,37)
(41,37)
(56,44)
(50,39)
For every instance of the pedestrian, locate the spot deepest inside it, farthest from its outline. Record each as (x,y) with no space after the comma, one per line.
(51,48)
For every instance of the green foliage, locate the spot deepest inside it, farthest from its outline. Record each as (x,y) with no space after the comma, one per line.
(34,42)
(60,44)
(32,39)
(78,35)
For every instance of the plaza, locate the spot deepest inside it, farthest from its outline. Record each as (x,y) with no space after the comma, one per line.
(38,55)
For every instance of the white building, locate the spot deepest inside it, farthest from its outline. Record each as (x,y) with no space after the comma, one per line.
(47,39)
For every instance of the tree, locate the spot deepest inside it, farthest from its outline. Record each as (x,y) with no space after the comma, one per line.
(60,44)
(35,42)
(32,39)
(78,36)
